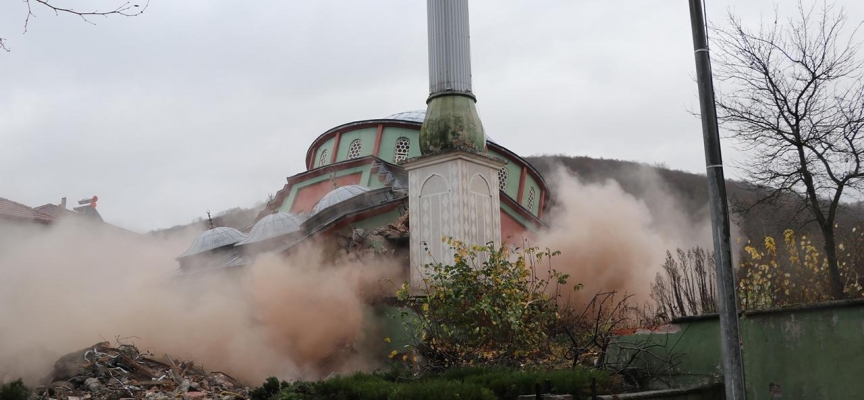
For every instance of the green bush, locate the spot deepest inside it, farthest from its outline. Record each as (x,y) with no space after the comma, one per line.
(456,383)
(488,307)
(359,386)
(268,389)
(509,384)
(14,390)
(439,389)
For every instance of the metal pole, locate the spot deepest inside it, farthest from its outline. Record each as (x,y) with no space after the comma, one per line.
(733,367)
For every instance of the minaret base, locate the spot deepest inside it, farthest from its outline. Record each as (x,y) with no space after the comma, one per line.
(452,194)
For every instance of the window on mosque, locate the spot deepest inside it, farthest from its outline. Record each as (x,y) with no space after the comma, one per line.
(323,159)
(530,203)
(403,145)
(502,178)
(354,149)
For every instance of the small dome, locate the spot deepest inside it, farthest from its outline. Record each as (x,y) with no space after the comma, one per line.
(338,195)
(214,238)
(271,226)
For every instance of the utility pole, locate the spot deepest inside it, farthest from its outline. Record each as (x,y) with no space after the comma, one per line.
(733,366)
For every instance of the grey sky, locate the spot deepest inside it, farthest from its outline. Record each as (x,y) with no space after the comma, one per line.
(199,105)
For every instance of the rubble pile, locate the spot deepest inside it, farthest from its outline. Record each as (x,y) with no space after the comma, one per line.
(103,371)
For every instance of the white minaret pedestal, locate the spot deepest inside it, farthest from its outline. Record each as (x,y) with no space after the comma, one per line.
(452,194)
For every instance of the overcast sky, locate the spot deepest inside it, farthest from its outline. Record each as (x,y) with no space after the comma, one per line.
(199,105)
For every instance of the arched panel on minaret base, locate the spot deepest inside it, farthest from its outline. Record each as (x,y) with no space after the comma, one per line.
(449,195)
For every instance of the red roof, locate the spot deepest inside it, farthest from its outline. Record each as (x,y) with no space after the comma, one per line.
(12,210)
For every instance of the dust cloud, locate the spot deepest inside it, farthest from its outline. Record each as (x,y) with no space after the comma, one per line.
(611,240)
(74,284)
(66,287)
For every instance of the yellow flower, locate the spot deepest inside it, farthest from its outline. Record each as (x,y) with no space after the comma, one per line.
(393,354)
(387,339)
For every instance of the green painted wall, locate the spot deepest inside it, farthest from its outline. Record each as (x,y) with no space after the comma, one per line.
(529,184)
(388,143)
(696,346)
(367,136)
(328,145)
(811,353)
(364,180)
(514,172)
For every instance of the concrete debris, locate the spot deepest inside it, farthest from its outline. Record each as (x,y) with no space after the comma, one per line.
(398,229)
(103,371)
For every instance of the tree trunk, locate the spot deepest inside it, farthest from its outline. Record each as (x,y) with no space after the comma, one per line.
(833,268)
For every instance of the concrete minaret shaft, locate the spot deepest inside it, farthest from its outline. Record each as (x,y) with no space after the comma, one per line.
(453,186)
(451,117)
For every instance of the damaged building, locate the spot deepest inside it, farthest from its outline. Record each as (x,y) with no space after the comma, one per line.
(398,184)
(356,189)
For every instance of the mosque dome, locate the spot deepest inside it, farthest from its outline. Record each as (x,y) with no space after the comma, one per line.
(419,116)
(214,238)
(271,226)
(338,195)
(411,116)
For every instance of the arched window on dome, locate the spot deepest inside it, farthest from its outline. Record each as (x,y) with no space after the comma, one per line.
(530,204)
(354,148)
(403,145)
(502,178)
(322,161)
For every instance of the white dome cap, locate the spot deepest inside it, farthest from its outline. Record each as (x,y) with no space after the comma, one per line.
(338,195)
(214,238)
(271,226)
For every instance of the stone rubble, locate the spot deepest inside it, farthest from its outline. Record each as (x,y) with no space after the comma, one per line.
(119,372)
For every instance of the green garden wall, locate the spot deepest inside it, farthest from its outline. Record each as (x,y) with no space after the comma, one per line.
(809,352)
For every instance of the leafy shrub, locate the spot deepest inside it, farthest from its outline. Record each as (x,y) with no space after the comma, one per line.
(15,390)
(268,389)
(358,386)
(439,389)
(485,308)
(509,384)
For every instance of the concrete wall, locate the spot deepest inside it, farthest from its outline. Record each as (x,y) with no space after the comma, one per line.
(808,352)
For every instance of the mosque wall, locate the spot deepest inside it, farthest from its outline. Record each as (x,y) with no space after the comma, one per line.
(325,147)
(527,200)
(367,138)
(389,137)
(514,171)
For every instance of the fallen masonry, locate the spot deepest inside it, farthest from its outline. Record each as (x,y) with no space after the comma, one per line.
(103,371)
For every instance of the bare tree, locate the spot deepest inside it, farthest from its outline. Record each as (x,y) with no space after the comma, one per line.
(686,285)
(126,9)
(793,97)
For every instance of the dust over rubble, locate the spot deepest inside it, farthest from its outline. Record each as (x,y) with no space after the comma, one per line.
(611,240)
(71,285)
